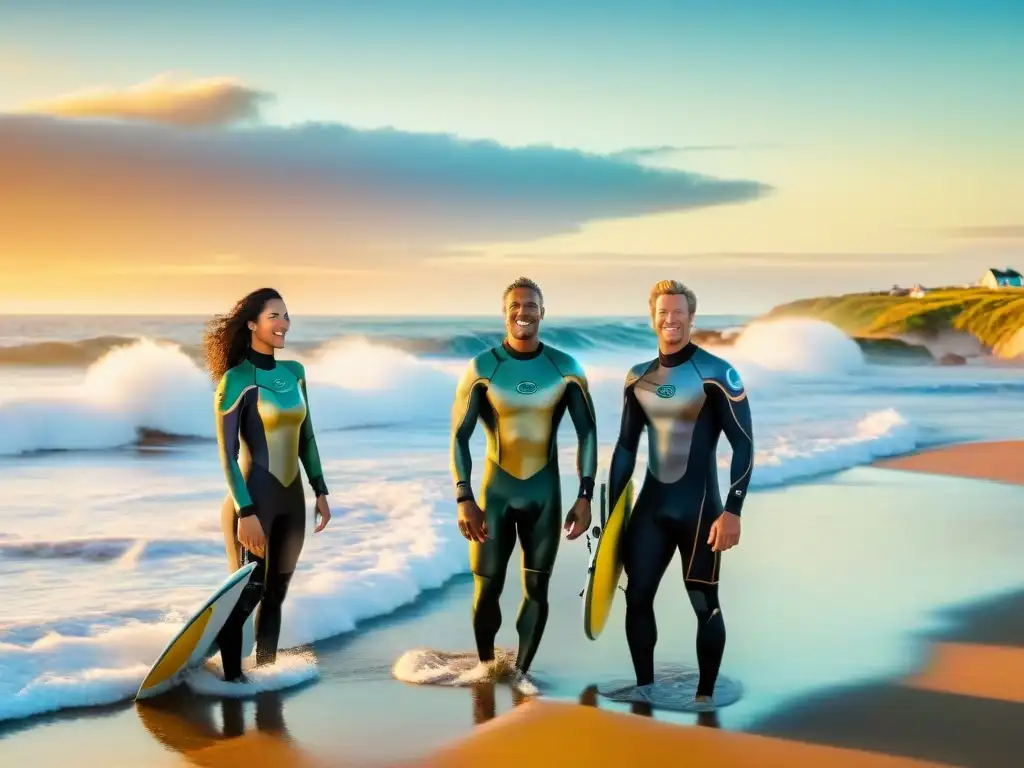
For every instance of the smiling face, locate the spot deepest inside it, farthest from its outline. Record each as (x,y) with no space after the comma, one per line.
(523,313)
(270,327)
(672,321)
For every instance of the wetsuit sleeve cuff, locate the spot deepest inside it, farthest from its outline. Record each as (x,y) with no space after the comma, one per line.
(734,503)
(586,488)
(318,485)
(247,511)
(463,492)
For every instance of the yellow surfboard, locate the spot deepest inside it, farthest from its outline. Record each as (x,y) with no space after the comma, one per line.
(605,567)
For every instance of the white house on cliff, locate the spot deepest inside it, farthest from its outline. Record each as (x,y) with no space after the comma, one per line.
(1001,278)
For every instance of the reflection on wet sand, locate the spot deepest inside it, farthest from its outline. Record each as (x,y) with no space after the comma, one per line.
(590,698)
(187,724)
(484,703)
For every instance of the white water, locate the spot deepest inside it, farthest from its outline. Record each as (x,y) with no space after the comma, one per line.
(108,551)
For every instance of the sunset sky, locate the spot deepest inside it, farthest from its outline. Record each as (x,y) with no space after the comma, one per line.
(401,157)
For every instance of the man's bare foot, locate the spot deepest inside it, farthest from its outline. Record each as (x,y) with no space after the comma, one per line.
(482,672)
(703,704)
(521,683)
(643,693)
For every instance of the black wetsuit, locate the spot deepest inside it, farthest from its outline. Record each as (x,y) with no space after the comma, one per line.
(520,399)
(263,412)
(685,400)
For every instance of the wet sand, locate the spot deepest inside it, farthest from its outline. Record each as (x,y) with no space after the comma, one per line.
(833,602)
(964,706)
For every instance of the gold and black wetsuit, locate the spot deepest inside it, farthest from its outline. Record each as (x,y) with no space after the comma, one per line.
(520,399)
(686,400)
(264,432)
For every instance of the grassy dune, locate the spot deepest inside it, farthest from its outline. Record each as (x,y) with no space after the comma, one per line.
(993,317)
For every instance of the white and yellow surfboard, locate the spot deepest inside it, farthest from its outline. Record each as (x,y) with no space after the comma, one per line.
(194,642)
(605,566)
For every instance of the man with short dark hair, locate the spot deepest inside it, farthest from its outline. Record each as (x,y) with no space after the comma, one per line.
(519,391)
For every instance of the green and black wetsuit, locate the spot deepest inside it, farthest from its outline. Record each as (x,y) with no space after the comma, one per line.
(264,431)
(686,400)
(520,400)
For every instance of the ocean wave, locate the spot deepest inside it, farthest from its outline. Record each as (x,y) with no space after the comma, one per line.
(104,549)
(832,447)
(151,391)
(613,335)
(942,387)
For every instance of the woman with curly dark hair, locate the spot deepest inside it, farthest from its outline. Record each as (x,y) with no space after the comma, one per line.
(262,412)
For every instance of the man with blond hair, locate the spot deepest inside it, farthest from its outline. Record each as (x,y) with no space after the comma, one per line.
(685,398)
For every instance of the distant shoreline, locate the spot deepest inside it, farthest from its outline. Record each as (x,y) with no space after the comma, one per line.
(993,318)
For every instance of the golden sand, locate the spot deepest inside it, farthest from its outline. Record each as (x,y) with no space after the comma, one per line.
(599,737)
(970,669)
(1000,461)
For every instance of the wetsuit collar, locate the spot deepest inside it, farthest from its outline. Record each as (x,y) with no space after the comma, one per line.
(517,355)
(261,361)
(677,358)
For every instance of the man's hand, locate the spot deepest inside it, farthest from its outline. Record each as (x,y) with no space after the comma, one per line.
(578,519)
(725,532)
(472,524)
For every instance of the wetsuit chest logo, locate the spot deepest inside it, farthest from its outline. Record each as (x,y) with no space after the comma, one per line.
(665,391)
(526,388)
(279,383)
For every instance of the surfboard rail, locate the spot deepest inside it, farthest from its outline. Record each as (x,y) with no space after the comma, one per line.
(605,566)
(190,644)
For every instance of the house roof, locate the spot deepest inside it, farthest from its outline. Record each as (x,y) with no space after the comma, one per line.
(1005,273)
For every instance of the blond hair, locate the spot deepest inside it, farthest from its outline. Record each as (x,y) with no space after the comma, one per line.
(672,288)
(523,282)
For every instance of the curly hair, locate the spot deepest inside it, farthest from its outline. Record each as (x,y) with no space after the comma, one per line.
(227,337)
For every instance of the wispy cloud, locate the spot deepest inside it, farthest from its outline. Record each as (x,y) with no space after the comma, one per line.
(716,261)
(224,265)
(634,154)
(990,232)
(168,98)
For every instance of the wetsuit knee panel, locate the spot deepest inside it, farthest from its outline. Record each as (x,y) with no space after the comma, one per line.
(251,596)
(487,562)
(535,585)
(640,591)
(704,599)
(486,588)
(277,588)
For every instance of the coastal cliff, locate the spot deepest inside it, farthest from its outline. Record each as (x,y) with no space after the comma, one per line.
(949,325)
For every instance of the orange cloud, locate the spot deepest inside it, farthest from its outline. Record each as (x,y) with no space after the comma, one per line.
(167,98)
(99,213)
(324,194)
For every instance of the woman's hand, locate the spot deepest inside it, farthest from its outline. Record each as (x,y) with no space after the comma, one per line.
(324,511)
(251,536)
